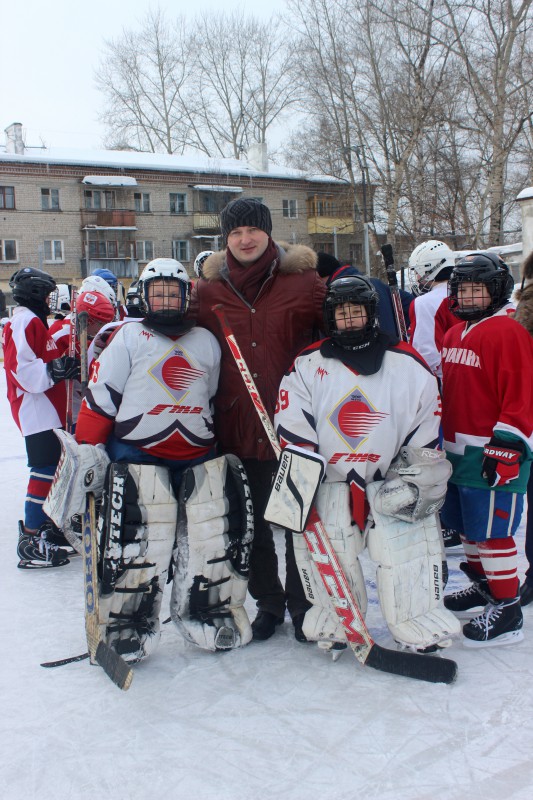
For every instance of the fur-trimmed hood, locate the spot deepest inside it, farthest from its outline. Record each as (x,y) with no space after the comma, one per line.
(524,296)
(293,258)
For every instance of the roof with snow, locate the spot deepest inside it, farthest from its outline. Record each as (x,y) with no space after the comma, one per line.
(193,162)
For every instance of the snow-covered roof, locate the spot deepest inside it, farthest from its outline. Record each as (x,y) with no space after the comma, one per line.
(109,180)
(192,162)
(525,193)
(207,187)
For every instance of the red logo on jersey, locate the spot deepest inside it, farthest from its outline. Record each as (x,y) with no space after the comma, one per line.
(178,373)
(321,373)
(355,418)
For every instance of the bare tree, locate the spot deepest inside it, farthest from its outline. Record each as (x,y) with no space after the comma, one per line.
(243,83)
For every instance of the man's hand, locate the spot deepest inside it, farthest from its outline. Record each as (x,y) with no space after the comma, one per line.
(64,369)
(501,462)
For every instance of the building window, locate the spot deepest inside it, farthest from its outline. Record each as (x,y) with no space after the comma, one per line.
(98,200)
(8,250)
(325,247)
(142,202)
(50,199)
(145,251)
(178,203)
(7,197)
(53,250)
(180,250)
(290,209)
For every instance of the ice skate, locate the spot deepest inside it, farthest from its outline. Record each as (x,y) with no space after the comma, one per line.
(500,623)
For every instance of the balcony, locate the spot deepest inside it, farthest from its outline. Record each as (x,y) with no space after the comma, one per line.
(206,223)
(325,225)
(108,218)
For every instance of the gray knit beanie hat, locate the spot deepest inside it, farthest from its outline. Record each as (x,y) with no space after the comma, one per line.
(245,212)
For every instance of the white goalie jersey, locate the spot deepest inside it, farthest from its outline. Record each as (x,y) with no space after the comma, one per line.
(358,422)
(156,391)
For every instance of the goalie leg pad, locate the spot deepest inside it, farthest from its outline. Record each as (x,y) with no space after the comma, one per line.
(215,533)
(409,577)
(136,531)
(333,506)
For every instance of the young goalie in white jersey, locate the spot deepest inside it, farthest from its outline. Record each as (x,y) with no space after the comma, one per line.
(369,407)
(166,499)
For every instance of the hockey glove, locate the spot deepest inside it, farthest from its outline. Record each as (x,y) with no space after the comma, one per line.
(501,462)
(64,369)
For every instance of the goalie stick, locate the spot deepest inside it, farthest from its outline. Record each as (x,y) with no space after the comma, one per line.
(99,652)
(72,353)
(388,258)
(366,650)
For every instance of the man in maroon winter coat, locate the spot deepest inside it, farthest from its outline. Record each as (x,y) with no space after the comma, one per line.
(273,300)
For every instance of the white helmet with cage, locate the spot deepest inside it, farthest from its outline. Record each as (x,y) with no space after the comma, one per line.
(426,263)
(59,300)
(95,283)
(199,262)
(166,271)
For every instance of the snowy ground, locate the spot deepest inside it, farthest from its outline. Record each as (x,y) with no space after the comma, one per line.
(276,721)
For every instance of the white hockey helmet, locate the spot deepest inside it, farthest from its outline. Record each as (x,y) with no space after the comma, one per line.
(199,261)
(59,300)
(95,283)
(426,263)
(166,269)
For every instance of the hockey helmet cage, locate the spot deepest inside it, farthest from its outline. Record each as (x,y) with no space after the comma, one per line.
(429,261)
(199,262)
(356,289)
(481,267)
(31,285)
(168,270)
(60,299)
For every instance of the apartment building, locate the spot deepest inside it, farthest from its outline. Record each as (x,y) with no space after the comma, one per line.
(70,212)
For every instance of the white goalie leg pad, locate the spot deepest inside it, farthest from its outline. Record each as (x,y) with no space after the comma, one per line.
(299,474)
(81,469)
(321,623)
(215,533)
(409,577)
(137,528)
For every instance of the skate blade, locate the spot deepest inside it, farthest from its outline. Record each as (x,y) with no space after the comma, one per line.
(23,564)
(513,637)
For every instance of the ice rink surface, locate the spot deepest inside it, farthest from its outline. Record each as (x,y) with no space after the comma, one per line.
(277,720)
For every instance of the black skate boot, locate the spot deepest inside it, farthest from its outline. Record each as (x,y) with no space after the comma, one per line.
(465,602)
(35,552)
(51,534)
(500,623)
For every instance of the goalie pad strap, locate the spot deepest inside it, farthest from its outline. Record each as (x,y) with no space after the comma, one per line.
(409,576)
(300,472)
(215,532)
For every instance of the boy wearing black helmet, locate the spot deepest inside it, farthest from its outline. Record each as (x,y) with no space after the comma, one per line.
(35,374)
(487,426)
(370,407)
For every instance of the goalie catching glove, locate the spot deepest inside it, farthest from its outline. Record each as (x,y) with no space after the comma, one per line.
(81,469)
(501,461)
(415,484)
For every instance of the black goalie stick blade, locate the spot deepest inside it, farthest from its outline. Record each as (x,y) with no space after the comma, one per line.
(432,669)
(62,661)
(114,666)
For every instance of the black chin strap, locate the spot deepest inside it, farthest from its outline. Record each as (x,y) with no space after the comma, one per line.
(366,361)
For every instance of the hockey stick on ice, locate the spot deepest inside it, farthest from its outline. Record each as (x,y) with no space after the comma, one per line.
(388,258)
(99,652)
(397,662)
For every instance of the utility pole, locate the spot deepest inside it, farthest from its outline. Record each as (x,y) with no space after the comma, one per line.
(357,149)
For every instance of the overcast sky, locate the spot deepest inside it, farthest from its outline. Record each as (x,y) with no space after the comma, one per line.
(50,50)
